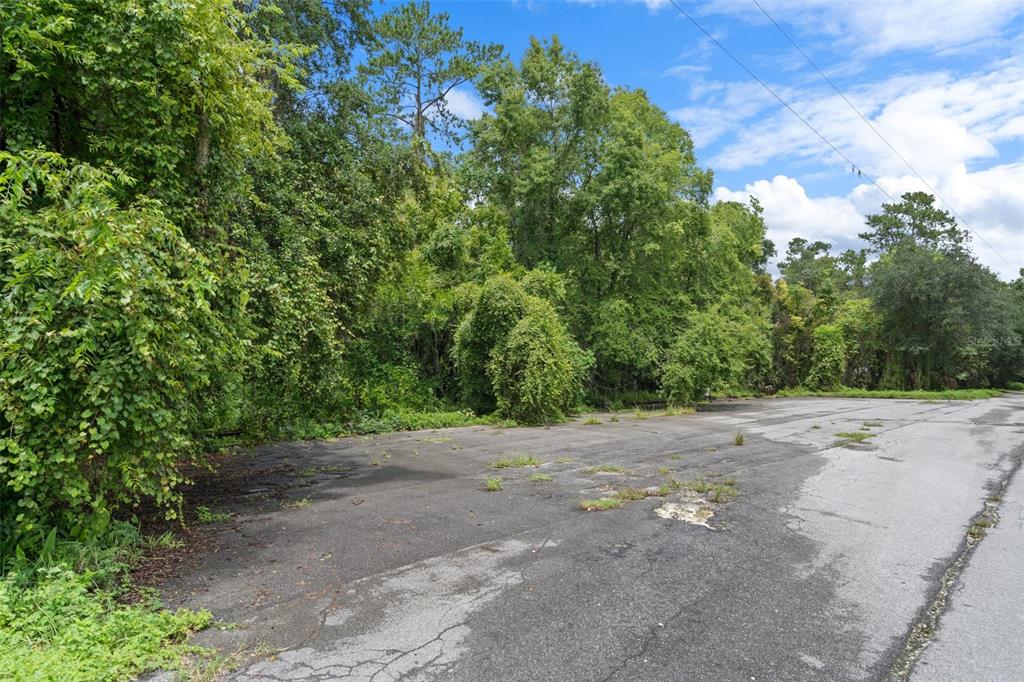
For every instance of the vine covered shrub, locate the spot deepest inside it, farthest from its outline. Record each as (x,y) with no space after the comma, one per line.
(499,306)
(706,357)
(108,336)
(538,372)
(828,360)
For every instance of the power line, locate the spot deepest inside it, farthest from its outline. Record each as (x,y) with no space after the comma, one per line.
(783,102)
(875,130)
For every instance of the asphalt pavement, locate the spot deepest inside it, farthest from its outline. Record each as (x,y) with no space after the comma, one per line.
(385,557)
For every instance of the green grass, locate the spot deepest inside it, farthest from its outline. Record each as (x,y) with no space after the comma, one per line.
(716,492)
(207,515)
(564,460)
(953,394)
(540,478)
(854,436)
(1015,386)
(630,494)
(608,469)
(411,420)
(515,462)
(737,439)
(592,421)
(602,504)
(300,503)
(62,616)
(494,485)
(872,423)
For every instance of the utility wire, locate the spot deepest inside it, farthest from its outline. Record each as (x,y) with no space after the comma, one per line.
(783,102)
(874,129)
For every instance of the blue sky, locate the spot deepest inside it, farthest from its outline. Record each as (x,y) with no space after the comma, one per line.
(942,81)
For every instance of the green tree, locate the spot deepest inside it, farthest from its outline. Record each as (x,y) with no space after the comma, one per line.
(914,220)
(109,334)
(414,62)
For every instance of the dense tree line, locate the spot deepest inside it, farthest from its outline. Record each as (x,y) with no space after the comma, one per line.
(245,217)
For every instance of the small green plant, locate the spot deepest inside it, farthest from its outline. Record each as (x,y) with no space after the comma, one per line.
(602,504)
(816,426)
(853,436)
(664,471)
(540,478)
(300,503)
(206,515)
(614,418)
(565,460)
(494,485)
(630,494)
(639,414)
(737,439)
(166,540)
(675,458)
(873,423)
(591,421)
(1015,386)
(515,462)
(995,498)
(608,469)
(437,439)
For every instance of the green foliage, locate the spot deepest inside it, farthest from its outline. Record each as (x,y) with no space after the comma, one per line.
(63,616)
(59,627)
(499,307)
(414,60)
(846,392)
(709,355)
(828,361)
(537,371)
(109,336)
(171,93)
(494,485)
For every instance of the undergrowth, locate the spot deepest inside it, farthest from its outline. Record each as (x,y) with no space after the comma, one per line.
(62,615)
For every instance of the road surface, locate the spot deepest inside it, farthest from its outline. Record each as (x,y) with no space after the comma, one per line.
(384,558)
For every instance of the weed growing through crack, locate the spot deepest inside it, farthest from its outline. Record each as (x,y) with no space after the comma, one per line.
(206,515)
(300,503)
(873,422)
(716,492)
(630,494)
(608,469)
(614,418)
(737,439)
(494,485)
(592,421)
(664,471)
(438,439)
(675,458)
(515,462)
(540,478)
(564,460)
(602,504)
(853,436)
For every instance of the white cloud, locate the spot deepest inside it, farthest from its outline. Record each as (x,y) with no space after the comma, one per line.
(876,28)
(934,120)
(991,201)
(464,104)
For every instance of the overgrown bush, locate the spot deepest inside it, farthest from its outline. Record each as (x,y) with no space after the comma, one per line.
(62,616)
(499,306)
(108,336)
(828,359)
(538,371)
(706,357)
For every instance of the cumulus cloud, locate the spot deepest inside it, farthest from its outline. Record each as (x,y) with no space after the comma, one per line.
(990,201)
(464,104)
(876,28)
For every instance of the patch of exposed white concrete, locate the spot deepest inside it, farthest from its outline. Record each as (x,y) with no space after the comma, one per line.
(695,511)
(405,624)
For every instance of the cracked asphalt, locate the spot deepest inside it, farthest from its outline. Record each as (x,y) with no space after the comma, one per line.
(401,565)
